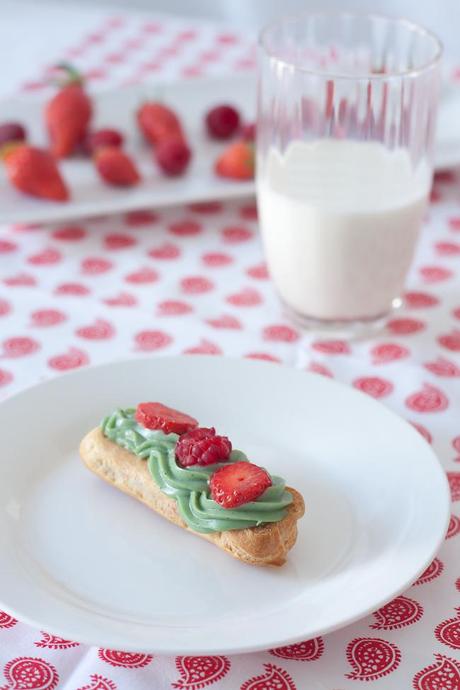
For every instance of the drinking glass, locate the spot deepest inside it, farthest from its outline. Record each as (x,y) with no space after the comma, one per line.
(346,121)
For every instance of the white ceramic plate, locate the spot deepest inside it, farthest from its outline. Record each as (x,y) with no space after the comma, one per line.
(82,560)
(191,98)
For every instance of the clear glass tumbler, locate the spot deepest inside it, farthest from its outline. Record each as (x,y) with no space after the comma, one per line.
(346,120)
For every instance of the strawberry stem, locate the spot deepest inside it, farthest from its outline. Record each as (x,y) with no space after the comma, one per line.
(67,74)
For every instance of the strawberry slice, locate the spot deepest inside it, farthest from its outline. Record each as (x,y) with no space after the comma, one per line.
(154,415)
(238,483)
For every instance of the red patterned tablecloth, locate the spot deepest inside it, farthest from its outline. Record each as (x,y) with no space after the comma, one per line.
(192,279)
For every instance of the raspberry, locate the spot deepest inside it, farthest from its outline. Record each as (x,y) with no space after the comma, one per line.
(248,131)
(172,156)
(202,447)
(101,138)
(222,122)
(238,483)
(12,131)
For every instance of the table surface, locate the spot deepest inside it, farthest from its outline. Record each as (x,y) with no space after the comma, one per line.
(192,279)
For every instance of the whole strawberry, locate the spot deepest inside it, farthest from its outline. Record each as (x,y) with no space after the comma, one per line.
(116,167)
(236,162)
(158,123)
(68,114)
(34,171)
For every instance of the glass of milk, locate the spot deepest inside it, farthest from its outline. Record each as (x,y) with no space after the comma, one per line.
(346,120)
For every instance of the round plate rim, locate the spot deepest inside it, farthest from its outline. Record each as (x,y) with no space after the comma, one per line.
(246,648)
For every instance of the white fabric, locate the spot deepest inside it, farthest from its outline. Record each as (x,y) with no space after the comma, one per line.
(193,280)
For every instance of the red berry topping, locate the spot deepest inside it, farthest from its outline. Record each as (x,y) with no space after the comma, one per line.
(101,138)
(238,483)
(12,131)
(222,121)
(248,131)
(154,415)
(172,156)
(202,447)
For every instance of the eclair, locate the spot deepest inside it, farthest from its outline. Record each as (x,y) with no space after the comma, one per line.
(194,478)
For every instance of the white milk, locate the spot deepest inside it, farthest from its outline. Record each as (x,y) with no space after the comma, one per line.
(340,221)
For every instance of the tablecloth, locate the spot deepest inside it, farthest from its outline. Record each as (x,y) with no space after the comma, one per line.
(192,280)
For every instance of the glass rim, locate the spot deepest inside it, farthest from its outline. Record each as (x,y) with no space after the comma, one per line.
(331,74)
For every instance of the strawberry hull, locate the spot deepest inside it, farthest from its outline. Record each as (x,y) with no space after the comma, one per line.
(67,116)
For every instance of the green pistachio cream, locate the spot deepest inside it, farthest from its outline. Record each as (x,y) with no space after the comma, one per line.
(189,486)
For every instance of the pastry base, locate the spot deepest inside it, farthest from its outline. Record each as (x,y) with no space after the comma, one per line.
(264,545)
